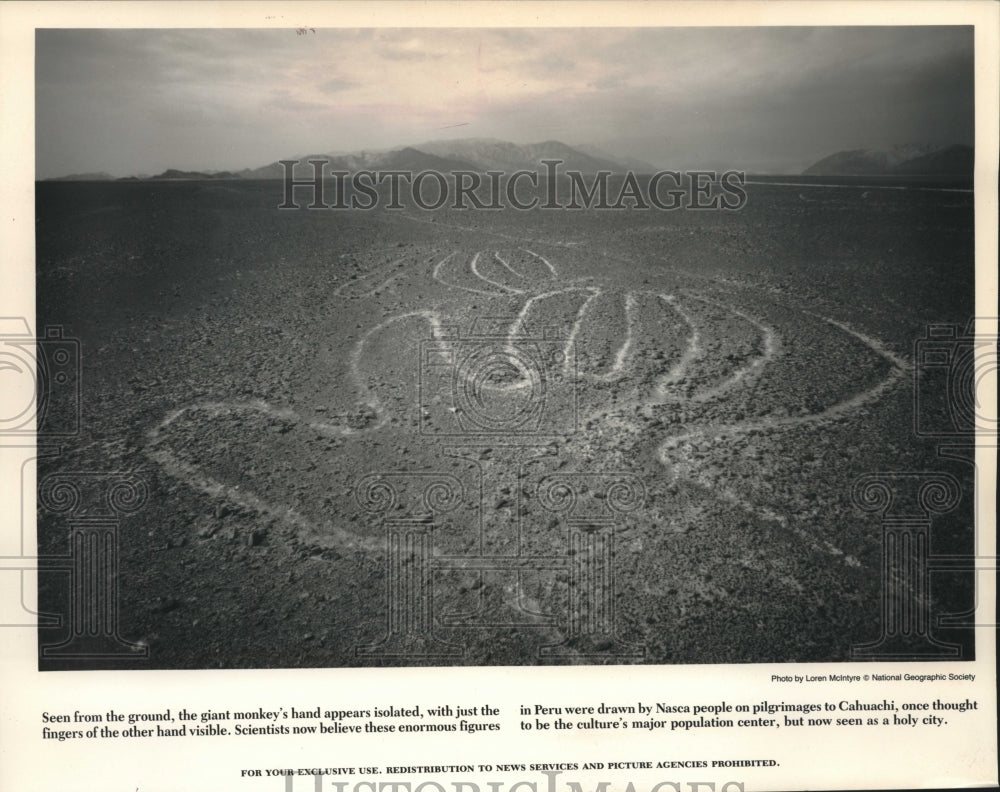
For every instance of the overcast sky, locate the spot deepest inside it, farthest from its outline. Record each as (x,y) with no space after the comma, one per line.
(757,99)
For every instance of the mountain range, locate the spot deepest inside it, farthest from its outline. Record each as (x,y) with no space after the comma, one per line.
(100,176)
(469,154)
(488,154)
(909,160)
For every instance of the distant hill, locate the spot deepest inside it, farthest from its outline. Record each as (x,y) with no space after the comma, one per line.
(911,160)
(172,173)
(101,176)
(475,154)
(633,164)
(412,159)
(490,154)
(276,170)
(469,154)
(951,160)
(408,159)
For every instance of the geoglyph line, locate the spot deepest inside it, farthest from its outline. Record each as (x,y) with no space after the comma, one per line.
(544,261)
(687,468)
(437,276)
(574,330)
(693,351)
(626,346)
(367,252)
(518,323)
(372,401)
(474,266)
(862,186)
(499,234)
(824,547)
(830,413)
(768,424)
(196,478)
(754,368)
(339,290)
(193,476)
(867,340)
(505,263)
(618,365)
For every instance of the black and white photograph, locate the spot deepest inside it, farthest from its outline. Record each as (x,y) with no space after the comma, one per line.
(506,346)
(498,397)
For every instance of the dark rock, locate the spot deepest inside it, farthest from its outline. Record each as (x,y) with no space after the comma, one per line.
(164,605)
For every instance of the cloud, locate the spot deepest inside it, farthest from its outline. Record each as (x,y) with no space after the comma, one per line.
(552,63)
(407,55)
(608,82)
(404,46)
(251,96)
(290,104)
(336,85)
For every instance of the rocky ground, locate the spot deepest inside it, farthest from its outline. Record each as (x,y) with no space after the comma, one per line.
(270,374)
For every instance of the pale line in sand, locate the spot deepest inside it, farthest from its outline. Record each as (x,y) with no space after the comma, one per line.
(864,186)
(513,237)
(337,292)
(626,347)
(830,413)
(867,340)
(544,261)
(385,283)
(514,332)
(372,401)
(768,424)
(679,369)
(504,262)
(619,363)
(771,347)
(516,325)
(474,266)
(437,276)
(194,477)
(382,285)
(575,329)
(770,515)
(368,252)
(689,470)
